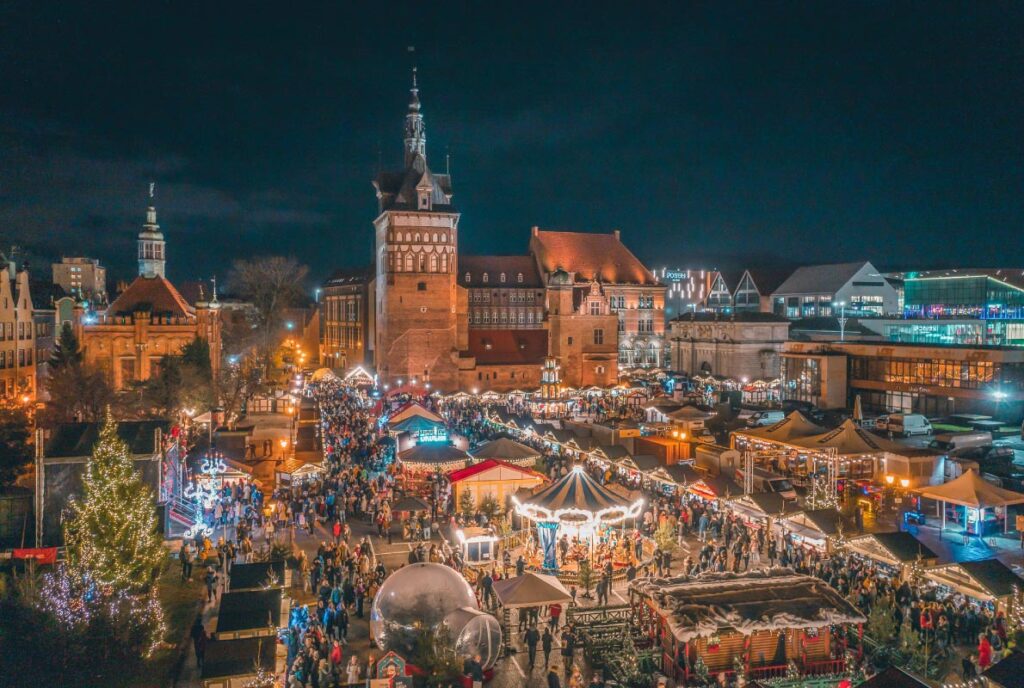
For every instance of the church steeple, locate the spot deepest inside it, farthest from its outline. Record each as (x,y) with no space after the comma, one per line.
(415,132)
(151,242)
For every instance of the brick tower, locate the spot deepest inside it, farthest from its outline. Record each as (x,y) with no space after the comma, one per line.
(421,322)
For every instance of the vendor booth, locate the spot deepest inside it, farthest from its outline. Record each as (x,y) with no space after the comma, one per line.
(493,478)
(578,507)
(259,575)
(427,458)
(529,590)
(976,496)
(416,429)
(251,613)
(765,621)
(816,527)
(297,472)
(988,581)
(507,450)
(234,663)
(898,551)
(479,545)
(412,409)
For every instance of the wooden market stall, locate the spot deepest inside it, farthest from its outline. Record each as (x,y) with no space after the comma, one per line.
(493,478)
(259,575)
(233,663)
(816,527)
(507,450)
(988,580)
(251,613)
(764,619)
(898,551)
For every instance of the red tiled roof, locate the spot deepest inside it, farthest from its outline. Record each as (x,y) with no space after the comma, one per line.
(591,256)
(475,469)
(497,347)
(152,294)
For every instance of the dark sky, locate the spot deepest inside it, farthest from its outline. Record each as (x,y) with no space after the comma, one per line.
(711,134)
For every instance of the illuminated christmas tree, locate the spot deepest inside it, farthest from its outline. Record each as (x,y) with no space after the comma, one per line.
(111,537)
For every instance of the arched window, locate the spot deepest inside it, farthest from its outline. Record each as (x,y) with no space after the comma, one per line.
(417,238)
(519,278)
(468,278)
(433,262)
(444,238)
(503,278)
(444,263)
(408,236)
(422,263)
(435,237)
(485,280)
(408,262)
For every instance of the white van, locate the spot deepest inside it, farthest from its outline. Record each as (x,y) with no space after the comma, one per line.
(762,418)
(908,424)
(766,481)
(951,441)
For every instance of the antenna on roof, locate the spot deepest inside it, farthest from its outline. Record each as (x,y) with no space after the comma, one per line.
(152,189)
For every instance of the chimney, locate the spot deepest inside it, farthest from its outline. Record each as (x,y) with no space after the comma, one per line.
(617,235)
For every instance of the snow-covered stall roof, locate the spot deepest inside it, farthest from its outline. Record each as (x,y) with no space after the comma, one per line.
(777,599)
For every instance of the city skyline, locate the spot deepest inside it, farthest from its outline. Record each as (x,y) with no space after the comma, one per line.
(705,148)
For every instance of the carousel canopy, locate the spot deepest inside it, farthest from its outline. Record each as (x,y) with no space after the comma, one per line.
(892,548)
(972,491)
(578,497)
(433,455)
(772,600)
(849,440)
(506,449)
(530,590)
(416,424)
(794,426)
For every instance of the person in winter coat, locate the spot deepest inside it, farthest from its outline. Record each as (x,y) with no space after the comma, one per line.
(199,640)
(984,653)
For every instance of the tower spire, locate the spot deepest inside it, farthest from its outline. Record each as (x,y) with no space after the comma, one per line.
(415,132)
(151,241)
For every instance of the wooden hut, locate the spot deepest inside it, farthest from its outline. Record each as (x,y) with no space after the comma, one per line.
(765,619)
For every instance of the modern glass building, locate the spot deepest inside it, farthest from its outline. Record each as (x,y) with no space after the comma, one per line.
(997,294)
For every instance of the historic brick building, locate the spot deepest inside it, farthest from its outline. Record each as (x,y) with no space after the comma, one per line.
(346,319)
(17,335)
(489,322)
(150,319)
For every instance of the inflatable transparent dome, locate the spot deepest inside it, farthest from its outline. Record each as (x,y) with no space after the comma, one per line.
(475,633)
(414,599)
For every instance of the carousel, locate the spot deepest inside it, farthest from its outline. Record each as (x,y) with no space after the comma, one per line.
(577,515)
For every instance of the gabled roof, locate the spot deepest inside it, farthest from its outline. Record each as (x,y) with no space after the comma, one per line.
(494,266)
(154,295)
(504,448)
(848,439)
(397,190)
(768,279)
(503,470)
(893,677)
(816,279)
(794,426)
(508,347)
(593,257)
(896,547)
(972,491)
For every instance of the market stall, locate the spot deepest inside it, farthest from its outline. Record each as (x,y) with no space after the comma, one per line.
(816,527)
(493,478)
(296,471)
(479,545)
(763,621)
(975,495)
(897,551)
(988,581)
(433,457)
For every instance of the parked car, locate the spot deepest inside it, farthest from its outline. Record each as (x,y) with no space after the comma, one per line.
(907,424)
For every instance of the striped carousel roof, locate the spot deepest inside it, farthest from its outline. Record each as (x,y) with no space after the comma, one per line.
(576,490)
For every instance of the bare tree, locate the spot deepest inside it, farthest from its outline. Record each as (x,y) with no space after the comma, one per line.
(272,284)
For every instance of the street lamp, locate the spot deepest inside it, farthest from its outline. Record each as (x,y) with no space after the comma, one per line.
(842,319)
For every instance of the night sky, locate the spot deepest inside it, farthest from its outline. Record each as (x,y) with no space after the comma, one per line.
(710,135)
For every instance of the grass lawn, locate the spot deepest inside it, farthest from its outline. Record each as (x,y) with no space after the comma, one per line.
(181,603)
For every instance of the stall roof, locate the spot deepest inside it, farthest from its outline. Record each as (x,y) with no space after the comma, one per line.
(972,491)
(249,609)
(776,599)
(413,409)
(416,423)
(893,677)
(644,463)
(892,548)
(255,574)
(825,520)
(500,469)
(226,658)
(849,440)
(793,426)
(505,448)
(531,590)
(1006,672)
(990,575)
(433,454)
(770,503)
